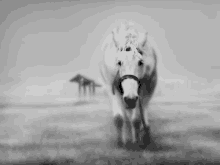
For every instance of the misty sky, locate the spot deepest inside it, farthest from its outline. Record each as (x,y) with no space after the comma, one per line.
(48,43)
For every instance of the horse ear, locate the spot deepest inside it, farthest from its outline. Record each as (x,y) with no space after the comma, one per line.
(143,43)
(115,42)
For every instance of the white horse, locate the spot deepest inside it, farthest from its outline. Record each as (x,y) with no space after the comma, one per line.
(129,71)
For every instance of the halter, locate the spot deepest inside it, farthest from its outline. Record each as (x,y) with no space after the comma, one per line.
(129,76)
(121,79)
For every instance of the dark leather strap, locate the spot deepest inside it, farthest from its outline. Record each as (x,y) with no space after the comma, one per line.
(128,76)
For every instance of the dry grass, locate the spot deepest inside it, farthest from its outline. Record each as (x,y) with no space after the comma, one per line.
(89,138)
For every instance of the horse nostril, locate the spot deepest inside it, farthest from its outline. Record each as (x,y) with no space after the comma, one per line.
(130,102)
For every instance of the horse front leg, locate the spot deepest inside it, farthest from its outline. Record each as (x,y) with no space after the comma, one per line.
(127,130)
(132,128)
(118,119)
(135,125)
(118,122)
(144,137)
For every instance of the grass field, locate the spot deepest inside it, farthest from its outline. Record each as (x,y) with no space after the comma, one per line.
(83,133)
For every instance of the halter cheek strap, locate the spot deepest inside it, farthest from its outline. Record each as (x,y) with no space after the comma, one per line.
(115,83)
(128,76)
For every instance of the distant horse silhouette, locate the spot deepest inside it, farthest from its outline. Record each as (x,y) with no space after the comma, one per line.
(83,83)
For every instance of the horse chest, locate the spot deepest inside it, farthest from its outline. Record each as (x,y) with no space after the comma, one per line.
(148,85)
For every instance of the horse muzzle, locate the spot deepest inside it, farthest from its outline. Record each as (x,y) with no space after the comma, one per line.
(130,101)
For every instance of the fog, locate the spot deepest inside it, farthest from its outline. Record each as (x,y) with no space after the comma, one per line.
(45,44)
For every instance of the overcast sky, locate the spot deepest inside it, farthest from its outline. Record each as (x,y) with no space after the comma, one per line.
(49,42)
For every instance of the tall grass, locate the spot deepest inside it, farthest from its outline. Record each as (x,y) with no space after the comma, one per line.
(89,138)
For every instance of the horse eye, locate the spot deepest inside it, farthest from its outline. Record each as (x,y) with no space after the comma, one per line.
(119,63)
(140,63)
(128,49)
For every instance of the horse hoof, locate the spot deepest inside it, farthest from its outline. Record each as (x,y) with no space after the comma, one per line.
(145,138)
(119,144)
(129,145)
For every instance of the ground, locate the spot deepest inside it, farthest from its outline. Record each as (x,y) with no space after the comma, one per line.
(83,133)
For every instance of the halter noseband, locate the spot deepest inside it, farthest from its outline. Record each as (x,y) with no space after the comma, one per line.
(128,76)
(120,80)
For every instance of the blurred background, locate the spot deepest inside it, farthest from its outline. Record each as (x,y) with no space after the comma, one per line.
(48,47)
(46,43)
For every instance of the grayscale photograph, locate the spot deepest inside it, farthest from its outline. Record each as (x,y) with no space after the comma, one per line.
(109,82)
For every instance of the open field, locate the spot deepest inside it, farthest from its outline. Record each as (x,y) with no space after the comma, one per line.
(182,133)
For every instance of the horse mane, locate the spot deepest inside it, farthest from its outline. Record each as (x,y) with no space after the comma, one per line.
(126,34)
